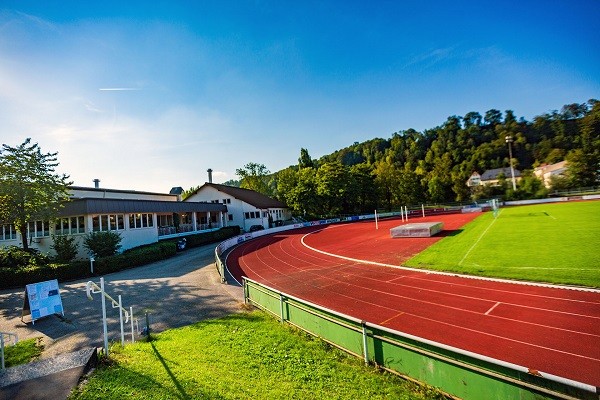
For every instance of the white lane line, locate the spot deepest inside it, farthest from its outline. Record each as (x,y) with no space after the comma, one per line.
(492,308)
(477,241)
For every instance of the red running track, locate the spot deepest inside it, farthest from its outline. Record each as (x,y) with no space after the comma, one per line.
(548,329)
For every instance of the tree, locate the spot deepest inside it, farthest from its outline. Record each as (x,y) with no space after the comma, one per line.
(30,189)
(253,176)
(305,161)
(102,244)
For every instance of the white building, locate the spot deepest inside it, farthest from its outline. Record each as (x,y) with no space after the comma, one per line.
(546,172)
(140,218)
(245,208)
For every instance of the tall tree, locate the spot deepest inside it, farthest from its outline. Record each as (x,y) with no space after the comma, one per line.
(254,176)
(30,189)
(305,161)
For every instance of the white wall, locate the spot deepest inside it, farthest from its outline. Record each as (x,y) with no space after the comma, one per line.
(235,207)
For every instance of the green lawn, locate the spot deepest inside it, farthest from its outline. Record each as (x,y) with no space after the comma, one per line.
(242,356)
(557,243)
(23,352)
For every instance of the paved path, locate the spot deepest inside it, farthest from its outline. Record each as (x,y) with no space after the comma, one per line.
(176,292)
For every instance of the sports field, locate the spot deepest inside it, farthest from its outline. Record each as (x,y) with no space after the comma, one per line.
(558,243)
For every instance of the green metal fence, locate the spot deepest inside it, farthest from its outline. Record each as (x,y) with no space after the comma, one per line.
(454,371)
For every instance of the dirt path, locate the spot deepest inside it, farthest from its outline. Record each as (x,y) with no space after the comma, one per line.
(175,292)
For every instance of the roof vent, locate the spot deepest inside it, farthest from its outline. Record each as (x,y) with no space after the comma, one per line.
(209,175)
(97,183)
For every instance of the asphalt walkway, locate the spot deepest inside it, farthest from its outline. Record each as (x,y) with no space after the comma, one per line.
(175,292)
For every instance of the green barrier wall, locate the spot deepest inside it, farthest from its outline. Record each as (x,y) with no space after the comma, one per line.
(455,373)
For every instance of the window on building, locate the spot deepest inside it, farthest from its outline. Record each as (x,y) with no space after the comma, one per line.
(165,220)
(38,229)
(72,225)
(140,221)
(108,222)
(8,232)
(230,217)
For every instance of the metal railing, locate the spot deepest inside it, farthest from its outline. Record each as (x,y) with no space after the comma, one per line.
(15,339)
(92,287)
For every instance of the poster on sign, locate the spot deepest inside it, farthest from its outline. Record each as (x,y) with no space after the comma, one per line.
(42,299)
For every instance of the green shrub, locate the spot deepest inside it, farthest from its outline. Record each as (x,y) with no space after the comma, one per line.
(102,244)
(15,257)
(202,239)
(65,248)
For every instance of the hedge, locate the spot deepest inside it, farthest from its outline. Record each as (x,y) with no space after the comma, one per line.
(11,277)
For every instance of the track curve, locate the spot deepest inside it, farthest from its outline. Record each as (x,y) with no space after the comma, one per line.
(347,268)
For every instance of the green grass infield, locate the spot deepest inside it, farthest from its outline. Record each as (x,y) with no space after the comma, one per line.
(555,243)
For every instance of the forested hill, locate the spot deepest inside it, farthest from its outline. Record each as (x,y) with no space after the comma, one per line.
(434,165)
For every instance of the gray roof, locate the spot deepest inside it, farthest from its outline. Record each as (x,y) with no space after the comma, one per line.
(492,174)
(251,197)
(105,206)
(101,190)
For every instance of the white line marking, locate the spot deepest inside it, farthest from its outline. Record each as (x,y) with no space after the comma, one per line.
(444,273)
(477,241)
(492,308)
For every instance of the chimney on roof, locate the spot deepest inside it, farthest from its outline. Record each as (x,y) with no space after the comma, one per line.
(97,183)
(209,175)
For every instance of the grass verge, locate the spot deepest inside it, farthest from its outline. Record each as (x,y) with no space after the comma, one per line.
(556,243)
(23,352)
(242,356)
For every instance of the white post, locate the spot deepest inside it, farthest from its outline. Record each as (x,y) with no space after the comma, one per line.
(2,347)
(406,212)
(92,264)
(132,331)
(121,321)
(423,209)
(401,214)
(104,327)
(376,224)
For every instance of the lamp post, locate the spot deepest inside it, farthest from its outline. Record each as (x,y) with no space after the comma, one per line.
(509,140)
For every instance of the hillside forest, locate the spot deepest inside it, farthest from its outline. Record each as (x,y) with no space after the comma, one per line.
(433,166)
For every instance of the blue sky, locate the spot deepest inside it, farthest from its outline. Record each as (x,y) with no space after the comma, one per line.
(220,84)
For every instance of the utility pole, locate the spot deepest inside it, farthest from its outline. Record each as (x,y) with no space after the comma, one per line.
(509,140)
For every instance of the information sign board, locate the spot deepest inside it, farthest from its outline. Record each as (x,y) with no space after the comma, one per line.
(42,299)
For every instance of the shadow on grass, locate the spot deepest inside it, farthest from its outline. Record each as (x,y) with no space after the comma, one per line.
(450,232)
(180,388)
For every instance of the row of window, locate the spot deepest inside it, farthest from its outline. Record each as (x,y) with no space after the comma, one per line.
(104,222)
(74,225)
(254,214)
(116,222)
(66,226)
(34,229)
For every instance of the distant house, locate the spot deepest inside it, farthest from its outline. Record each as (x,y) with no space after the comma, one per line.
(491,177)
(546,172)
(139,217)
(474,180)
(245,207)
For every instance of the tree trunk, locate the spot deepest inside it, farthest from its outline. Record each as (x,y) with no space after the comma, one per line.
(23,232)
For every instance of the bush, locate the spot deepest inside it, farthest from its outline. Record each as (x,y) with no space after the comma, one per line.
(202,239)
(16,257)
(102,244)
(65,248)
